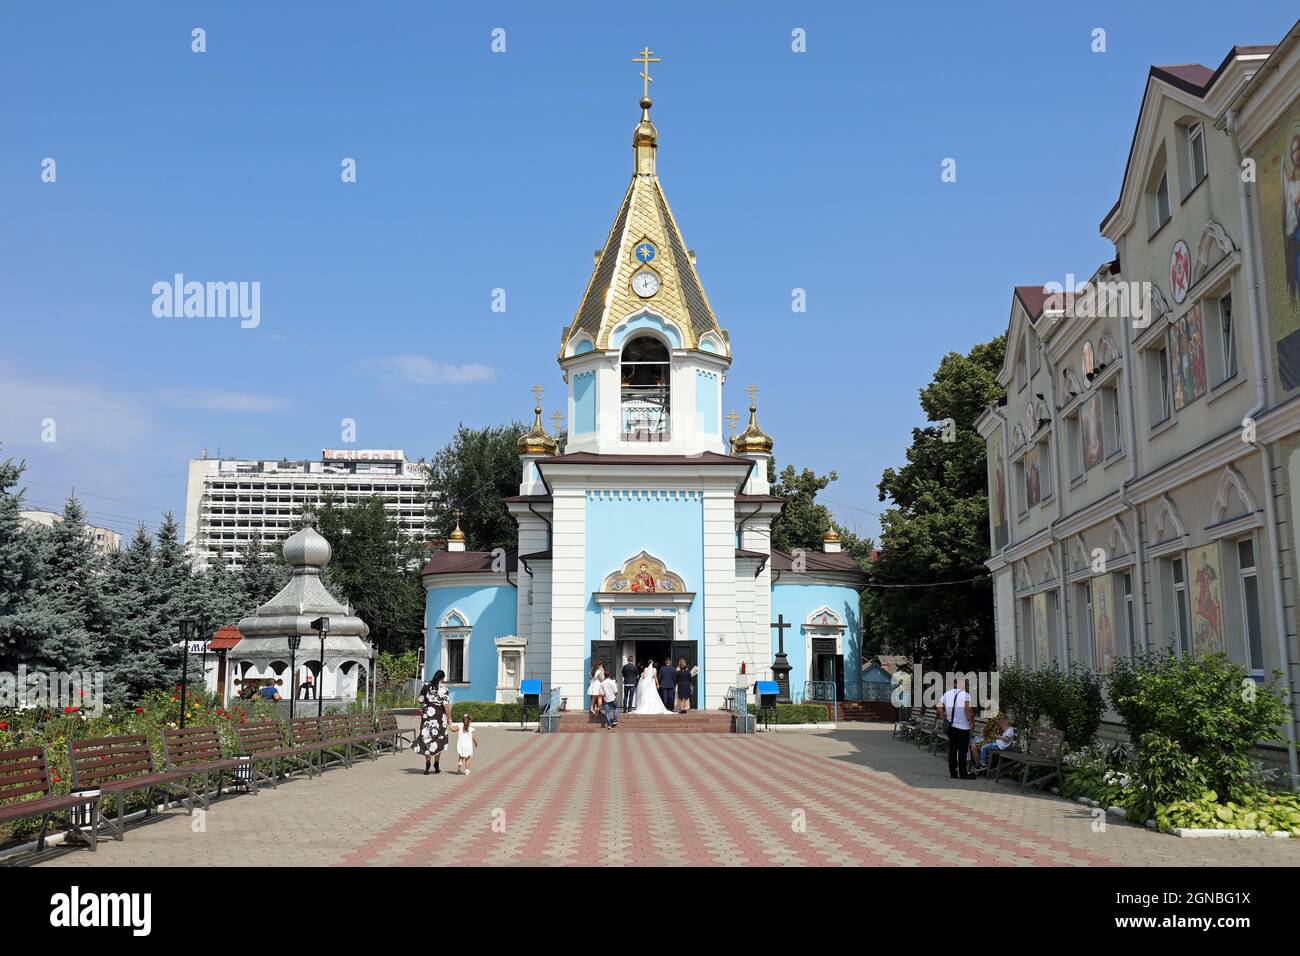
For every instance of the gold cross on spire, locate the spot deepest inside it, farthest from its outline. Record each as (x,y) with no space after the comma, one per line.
(645,59)
(537,393)
(753,392)
(556,417)
(732,418)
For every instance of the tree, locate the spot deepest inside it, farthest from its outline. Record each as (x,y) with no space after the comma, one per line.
(375,568)
(472,474)
(134,654)
(261,575)
(28,622)
(73,570)
(936,530)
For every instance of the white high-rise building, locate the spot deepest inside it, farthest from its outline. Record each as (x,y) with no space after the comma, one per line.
(232,501)
(106,540)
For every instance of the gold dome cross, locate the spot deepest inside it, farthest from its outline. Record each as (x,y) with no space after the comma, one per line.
(645,59)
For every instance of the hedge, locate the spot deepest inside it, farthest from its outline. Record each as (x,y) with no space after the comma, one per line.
(799,713)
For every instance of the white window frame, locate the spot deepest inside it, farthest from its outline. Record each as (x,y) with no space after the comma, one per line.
(1195,134)
(1227,336)
(1164,372)
(1255,666)
(1130,621)
(1182,610)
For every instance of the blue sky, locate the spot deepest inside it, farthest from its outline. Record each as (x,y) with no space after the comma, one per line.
(481,170)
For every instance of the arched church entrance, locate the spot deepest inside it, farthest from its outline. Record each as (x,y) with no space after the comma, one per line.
(646,639)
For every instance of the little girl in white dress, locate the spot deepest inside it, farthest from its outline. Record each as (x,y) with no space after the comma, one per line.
(465,744)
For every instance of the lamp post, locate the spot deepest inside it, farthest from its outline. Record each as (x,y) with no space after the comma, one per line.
(295,641)
(374,681)
(322,627)
(187,628)
(203,636)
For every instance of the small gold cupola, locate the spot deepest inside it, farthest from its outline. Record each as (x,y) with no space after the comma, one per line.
(831,542)
(753,440)
(536,441)
(456,541)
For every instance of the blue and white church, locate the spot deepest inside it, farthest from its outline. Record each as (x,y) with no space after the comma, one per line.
(648,535)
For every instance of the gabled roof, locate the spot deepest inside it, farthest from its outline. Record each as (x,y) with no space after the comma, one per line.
(1194,79)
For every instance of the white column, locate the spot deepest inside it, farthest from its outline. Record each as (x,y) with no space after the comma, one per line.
(568,592)
(718,642)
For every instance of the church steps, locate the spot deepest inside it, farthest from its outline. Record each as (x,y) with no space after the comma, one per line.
(693,722)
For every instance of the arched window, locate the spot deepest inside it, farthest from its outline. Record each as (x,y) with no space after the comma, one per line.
(646,377)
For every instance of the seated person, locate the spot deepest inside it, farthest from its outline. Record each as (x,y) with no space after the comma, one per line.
(1003,741)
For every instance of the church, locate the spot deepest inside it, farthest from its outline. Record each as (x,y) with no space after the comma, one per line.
(648,535)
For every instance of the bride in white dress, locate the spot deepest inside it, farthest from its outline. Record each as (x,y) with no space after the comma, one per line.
(647,699)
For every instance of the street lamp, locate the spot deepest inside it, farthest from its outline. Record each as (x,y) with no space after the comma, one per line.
(295,641)
(187,628)
(374,681)
(322,627)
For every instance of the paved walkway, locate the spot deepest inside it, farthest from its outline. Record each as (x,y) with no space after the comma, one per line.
(848,797)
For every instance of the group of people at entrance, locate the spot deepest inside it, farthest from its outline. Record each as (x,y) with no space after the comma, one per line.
(648,689)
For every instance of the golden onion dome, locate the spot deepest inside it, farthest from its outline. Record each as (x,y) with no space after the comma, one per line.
(831,536)
(457,535)
(535,441)
(753,439)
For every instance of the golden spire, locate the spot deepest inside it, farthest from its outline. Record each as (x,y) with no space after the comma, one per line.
(645,137)
(536,441)
(731,420)
(753,439)
(458,535)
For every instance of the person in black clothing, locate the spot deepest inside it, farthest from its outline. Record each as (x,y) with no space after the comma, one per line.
(668,683)
(630,676)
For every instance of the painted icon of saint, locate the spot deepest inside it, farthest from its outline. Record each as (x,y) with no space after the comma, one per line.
(643,580)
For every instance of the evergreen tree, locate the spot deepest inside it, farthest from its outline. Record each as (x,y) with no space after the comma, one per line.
(261,574)
(28,621)
(73,573)
(135,655)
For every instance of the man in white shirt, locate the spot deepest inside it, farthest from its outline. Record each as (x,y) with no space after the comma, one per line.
(610,690)
(955,710)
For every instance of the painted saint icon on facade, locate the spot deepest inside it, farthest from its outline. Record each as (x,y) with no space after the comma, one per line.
(1090,422)
(1207,601)
(1042,644)
(644,574)
(1187,358)
(1103,624)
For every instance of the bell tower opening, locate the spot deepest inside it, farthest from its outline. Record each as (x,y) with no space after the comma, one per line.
(646,390)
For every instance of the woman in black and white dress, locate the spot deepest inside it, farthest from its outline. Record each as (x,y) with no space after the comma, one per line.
(435,721)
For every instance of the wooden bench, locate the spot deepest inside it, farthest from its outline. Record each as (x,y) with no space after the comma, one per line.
(1043,749)
(306,732)
(391,735)
(336,731)
(904,722)
(263,740)
(118,766)
(198,751)
(25,772)
(362,726)
(929,730)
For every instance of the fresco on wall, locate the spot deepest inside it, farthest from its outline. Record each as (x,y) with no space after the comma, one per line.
(643,574)
(1090,425)
(1207,600)
(1187,358)
(1033,492)
(1103,623)
(1042,651)
(998,498)
(1278,172)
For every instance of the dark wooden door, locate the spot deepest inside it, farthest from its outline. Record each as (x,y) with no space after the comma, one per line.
(686,649)
(606,651)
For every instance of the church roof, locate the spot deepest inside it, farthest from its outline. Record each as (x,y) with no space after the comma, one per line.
(814,561)
(644,215)
(466,562)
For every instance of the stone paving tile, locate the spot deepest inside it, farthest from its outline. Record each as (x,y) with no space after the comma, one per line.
(850,797)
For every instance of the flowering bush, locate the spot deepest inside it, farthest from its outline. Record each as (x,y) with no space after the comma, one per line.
(55,728)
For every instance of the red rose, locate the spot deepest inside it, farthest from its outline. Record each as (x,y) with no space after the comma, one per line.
(139,710)
(4,725)
(67,710)
(56,778)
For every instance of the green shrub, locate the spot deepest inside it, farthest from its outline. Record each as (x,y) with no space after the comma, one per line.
(798,713)
(1070,701)
(1194,724)
(485,711)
